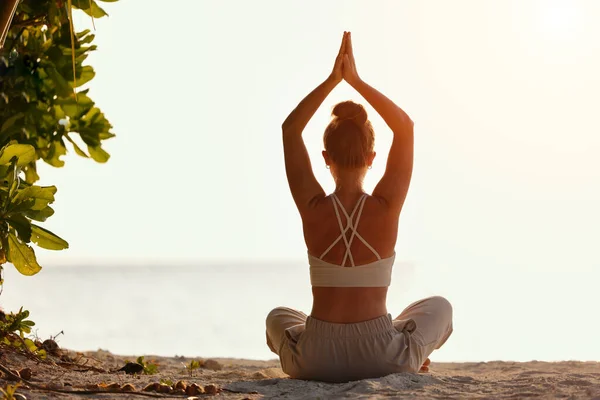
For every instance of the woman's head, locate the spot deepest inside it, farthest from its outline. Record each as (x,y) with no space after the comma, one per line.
(349,138)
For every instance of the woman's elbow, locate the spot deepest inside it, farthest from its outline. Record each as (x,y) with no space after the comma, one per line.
(288,128)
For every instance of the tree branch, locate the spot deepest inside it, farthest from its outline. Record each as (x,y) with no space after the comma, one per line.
(35,21)
(7,12)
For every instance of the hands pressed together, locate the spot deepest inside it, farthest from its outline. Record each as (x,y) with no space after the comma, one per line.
(345,67)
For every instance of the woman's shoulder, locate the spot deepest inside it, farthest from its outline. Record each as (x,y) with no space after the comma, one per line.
(324,207)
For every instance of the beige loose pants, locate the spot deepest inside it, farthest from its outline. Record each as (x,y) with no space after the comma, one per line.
(317,350)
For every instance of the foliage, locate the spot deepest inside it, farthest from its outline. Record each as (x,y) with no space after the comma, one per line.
(20,203)
(8,393)
(41,115)
(150,368)
(166,381)
(14,327)
(16,323)
(192,366)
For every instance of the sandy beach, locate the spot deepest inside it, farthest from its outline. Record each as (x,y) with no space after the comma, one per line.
(248,379)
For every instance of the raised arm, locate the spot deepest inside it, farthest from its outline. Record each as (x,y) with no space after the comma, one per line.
(393,186)
(304,186)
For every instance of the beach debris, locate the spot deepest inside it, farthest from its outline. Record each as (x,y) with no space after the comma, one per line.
(51,347)
(128,387)
(112,387)
(14,377)
(54,385)
(194,389)
(193,398)
(180,385)
(162,388)
(92,386)
(131,368)
(166,381)
(25,373)
(211,389)
(8,392)
(152,387)
(213,365)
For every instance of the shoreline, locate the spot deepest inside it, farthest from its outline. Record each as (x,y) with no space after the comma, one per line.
(236,378)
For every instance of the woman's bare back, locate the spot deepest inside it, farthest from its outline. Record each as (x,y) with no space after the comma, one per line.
(378,226)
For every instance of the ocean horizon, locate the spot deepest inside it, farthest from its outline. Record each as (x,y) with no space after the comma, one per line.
(218,309)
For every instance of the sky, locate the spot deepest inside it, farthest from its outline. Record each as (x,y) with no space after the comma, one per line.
(502,215)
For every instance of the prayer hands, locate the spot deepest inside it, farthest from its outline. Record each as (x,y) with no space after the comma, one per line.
(345,67)
(349,66)
(337,73)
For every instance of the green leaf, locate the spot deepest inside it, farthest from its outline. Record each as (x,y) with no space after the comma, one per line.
(57,150)
(31,174)
(74,108)
(85,39)
(46,239)
(40,215)
(62,86)
(24,152)
(10,122)
(106,135)
(81,34)
(4,172)
(87,74)
(22,226)
(76,147)
(29,343)
(93,11)
(21,206)
(98,154)
(59,113)
(22,256)
(42,196)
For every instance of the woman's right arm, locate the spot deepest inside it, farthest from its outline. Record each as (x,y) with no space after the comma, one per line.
(393,186)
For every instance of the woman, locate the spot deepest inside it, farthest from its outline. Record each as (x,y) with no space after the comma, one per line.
(349,334)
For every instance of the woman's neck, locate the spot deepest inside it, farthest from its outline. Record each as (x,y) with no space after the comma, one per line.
(348,185)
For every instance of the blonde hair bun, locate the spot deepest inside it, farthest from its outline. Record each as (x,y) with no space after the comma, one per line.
(349,110)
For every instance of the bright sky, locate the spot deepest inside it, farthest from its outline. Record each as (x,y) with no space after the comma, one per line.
(503,210)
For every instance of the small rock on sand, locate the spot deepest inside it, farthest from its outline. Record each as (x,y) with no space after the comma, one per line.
(194,389)
(162,388)
(212,365)
(152,387)
(211,389)
(25,373)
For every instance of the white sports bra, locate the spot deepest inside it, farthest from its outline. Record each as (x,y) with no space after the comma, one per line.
(325,274)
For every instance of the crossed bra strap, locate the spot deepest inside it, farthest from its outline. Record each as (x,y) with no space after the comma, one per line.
(337,205)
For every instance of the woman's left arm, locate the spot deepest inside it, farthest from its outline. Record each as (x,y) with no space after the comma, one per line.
(304,186)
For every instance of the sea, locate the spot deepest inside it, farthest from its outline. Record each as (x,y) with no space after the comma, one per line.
(218,309)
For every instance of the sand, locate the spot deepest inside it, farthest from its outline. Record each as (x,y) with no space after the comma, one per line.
(247,379)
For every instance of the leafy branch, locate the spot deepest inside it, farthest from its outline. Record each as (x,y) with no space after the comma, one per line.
(41,118)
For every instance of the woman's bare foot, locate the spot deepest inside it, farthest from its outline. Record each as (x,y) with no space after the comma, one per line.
(425,367)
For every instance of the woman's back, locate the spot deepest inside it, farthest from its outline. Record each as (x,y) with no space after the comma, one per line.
(376,225)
